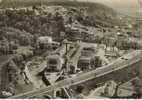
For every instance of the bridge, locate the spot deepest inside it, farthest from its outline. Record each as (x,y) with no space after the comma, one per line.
(121,70)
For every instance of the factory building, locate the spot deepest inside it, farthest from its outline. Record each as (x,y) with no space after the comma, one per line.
(54,63)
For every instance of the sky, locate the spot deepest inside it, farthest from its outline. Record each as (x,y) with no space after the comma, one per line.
(121,5)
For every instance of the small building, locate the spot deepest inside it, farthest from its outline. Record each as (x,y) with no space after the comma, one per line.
(44,42)
(44,39)
(47,42)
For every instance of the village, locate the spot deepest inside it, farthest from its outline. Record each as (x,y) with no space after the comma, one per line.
(43,45)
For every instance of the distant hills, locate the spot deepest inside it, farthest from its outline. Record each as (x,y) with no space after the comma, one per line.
(75,3)
(131,7)
(100,12)
(128,7)
(93,7)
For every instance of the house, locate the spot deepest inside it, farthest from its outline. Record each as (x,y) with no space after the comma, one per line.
(44,39)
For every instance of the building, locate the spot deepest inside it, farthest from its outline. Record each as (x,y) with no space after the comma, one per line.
(54,63)
(84,63)
(86,60)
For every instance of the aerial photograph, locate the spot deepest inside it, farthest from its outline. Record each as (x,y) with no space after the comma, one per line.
(70,49)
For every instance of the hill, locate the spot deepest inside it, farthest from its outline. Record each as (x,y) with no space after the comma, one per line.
(99,12)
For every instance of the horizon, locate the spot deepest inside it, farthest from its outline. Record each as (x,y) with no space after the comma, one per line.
(121,5)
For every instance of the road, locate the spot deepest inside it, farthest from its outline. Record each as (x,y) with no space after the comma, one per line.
(31,75)
(128,61)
